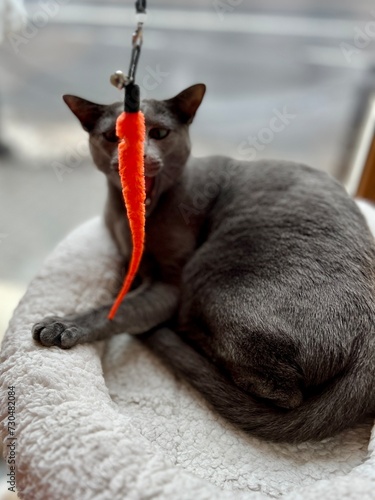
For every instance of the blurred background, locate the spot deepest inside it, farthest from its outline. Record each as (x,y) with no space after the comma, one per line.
(310,62)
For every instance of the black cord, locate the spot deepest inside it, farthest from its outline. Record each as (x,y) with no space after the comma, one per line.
(140,6)
(132,91)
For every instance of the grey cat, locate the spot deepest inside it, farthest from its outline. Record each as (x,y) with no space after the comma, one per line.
(257,282)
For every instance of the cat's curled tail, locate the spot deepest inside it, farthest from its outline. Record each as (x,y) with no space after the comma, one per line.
(343,403)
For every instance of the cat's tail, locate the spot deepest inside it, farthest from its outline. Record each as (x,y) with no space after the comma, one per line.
(340,405)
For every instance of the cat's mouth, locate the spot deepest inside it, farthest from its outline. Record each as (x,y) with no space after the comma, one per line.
(150,189)
(150,185)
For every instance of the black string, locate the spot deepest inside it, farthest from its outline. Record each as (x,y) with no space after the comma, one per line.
(140,6)
(132,91)
(136,51)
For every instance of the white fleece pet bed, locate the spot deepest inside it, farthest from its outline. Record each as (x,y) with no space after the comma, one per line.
(108,421)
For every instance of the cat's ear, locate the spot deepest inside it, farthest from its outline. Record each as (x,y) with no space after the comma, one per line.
(186,103)
(88,113)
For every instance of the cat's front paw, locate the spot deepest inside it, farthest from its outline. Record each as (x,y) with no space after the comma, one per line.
(57,331)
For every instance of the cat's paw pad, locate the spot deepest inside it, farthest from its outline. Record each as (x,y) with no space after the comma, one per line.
(56,331)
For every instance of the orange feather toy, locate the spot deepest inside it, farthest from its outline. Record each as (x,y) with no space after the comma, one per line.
(130,128)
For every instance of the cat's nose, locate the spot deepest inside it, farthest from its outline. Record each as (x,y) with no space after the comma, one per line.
(152,166)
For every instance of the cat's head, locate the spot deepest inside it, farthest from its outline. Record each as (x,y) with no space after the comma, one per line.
(167,143)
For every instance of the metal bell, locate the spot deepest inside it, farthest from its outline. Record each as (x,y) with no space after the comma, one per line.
(118,80)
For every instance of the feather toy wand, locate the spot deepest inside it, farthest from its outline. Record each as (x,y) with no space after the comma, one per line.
(130,129)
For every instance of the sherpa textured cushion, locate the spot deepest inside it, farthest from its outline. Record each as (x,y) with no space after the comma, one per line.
(108,421)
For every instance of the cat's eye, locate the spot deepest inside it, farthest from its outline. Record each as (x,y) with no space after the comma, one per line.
(110,136)
(158,133)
